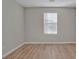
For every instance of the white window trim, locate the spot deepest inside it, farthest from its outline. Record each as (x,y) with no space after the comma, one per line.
(44,26)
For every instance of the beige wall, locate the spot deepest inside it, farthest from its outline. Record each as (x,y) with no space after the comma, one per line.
(13,25)
(34,25)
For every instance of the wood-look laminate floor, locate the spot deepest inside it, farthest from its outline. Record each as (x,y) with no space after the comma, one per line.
(44,51)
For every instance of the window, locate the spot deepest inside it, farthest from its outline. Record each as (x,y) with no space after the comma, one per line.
(50,23)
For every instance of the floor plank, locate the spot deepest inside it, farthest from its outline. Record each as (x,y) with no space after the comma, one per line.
(44,51)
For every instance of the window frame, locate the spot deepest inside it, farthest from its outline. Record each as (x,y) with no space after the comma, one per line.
(50,23)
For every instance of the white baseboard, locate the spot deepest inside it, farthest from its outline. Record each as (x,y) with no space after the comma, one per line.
(49,42)
(12,50)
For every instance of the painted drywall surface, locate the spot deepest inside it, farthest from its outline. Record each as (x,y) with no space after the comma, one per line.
(34,26)
(13,25)
(47,3)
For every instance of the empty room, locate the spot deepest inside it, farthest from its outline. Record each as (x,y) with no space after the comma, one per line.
(39,29)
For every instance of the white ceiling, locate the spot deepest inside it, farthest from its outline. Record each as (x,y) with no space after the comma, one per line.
(47,3)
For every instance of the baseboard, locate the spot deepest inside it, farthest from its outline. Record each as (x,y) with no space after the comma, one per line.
(12,50)
(49,42)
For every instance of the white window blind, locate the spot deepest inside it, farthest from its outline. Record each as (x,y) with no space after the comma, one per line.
(50,23)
